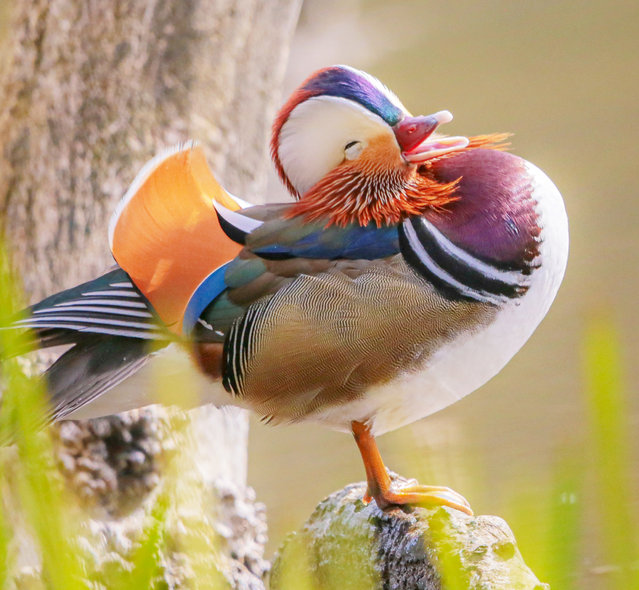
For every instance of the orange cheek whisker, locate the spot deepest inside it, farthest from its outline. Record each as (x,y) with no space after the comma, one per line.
(490,141)
(358,195)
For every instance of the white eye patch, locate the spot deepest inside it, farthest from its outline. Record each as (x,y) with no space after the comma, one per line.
(353,149)
(319,134)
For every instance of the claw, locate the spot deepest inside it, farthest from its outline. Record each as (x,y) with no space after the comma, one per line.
(383,492)
(422,495)
(441,491)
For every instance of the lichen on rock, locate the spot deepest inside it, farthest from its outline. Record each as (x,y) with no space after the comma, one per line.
(349,545)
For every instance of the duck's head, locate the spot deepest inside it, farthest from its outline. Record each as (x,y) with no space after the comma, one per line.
(350,151)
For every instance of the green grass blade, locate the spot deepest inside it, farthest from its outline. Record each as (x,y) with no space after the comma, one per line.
(39,488)
(607,410)
(564,525)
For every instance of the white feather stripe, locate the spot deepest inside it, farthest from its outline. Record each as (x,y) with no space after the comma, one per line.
(98,309)
(140,334)
(106,302)
(114,293)
(233,362)
(240,354)
(312,140)
(85,321)
(506,276)
(423,256)
(236,219)
(241,202)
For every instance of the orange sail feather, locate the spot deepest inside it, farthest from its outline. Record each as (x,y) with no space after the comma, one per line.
(165,233)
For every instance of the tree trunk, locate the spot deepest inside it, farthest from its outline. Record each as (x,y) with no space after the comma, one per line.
(90,90)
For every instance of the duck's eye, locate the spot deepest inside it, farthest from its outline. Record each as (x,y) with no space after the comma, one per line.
(353,149)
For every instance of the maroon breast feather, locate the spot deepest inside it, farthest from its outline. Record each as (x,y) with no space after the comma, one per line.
(495,215)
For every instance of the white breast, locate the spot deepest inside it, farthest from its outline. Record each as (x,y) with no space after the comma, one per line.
(473,358)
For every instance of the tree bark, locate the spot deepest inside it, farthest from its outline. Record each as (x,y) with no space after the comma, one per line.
(90,90)
(347,545)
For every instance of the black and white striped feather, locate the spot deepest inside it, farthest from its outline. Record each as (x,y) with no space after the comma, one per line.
(112,329)
(110,305)
(235,224)
(239,349)
(454,272)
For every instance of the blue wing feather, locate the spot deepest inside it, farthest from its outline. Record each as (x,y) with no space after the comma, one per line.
(353,242)
(266,231)
(207,291)
(280,237)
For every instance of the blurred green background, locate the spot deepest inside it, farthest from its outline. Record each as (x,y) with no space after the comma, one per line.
(564,78)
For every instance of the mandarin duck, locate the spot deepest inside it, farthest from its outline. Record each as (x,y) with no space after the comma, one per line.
(406,273)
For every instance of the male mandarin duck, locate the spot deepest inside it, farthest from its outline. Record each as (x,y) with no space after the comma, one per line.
(409,270)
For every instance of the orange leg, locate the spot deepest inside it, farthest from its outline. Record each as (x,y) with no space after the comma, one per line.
(379,483)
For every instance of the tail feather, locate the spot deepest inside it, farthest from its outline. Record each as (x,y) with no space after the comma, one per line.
(112,329)
(109,305)
(86,371)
